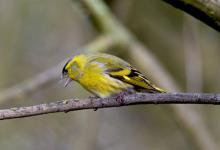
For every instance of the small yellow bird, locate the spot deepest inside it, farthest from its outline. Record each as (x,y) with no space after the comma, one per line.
(106,75)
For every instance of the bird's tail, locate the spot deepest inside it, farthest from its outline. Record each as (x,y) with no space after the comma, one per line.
(159,90)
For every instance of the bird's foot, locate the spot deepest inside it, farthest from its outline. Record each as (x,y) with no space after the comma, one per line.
(120,98)
(92,98)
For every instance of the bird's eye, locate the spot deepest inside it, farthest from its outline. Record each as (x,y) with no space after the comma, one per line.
(64,71)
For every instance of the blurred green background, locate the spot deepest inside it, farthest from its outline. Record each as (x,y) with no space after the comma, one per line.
(36,35)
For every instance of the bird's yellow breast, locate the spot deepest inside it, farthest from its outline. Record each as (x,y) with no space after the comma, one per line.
(96,81)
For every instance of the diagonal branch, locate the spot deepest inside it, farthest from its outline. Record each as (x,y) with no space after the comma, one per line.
(97,103)
(208,11)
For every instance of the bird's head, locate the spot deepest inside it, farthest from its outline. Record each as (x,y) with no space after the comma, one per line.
(73,69)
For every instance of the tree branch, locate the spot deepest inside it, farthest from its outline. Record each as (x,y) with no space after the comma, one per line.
(97,103)
(208,11)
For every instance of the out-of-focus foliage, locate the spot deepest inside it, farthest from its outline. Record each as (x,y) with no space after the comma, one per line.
(36,35)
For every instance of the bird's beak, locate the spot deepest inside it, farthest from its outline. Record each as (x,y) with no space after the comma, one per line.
(67,82)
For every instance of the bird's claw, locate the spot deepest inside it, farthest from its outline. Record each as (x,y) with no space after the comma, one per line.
(120,98)
(92,98)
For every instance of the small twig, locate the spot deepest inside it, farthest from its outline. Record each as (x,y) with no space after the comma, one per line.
(28,86)
(97,103)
